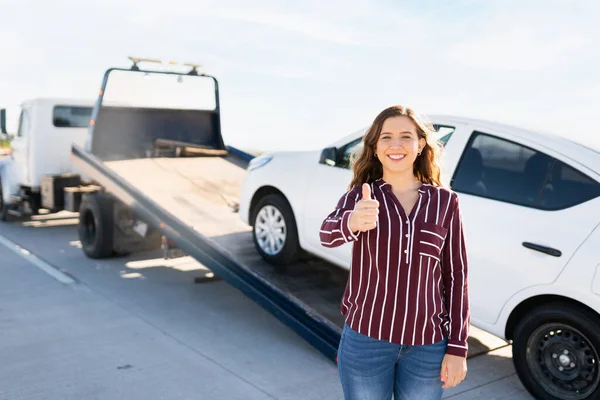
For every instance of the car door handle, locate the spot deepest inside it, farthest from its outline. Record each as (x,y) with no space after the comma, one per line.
(543,249)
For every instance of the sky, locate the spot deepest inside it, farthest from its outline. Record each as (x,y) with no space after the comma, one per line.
(298,75)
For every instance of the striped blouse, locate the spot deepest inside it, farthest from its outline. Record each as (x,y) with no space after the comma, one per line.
(408,277)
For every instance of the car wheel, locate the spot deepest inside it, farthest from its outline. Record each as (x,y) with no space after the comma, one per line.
(555,352)
(274,230)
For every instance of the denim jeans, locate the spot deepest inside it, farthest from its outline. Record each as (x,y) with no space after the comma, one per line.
(372,369)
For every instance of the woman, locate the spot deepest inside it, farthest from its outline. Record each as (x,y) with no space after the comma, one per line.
(406,304)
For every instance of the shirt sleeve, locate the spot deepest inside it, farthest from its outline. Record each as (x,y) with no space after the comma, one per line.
(456,293)
(335,229)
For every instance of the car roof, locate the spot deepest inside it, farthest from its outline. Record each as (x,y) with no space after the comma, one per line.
(586,154)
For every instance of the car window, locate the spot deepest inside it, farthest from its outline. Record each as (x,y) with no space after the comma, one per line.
(444,133)
(351,149)
(348,152)
(567,187)
(507,171)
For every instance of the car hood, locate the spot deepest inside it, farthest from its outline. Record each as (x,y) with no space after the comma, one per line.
(296,156)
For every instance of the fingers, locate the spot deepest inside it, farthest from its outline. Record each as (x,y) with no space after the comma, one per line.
(364,204)
(452,379)
(366,222)
(367,226)
(443,371)
(444,374)
(364,212)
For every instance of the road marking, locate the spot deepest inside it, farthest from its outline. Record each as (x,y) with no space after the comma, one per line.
(38,262)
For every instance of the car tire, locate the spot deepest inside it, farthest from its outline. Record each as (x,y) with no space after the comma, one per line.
(555,352)
(278,253)
(96,225)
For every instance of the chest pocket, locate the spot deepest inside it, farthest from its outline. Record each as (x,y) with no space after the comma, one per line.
(431,240)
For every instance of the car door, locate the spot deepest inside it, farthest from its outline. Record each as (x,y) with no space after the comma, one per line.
(328,182)
(522,213)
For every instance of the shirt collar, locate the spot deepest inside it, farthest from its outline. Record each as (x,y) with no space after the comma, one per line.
(388,187)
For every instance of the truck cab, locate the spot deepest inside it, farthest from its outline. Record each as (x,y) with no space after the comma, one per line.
(41,143)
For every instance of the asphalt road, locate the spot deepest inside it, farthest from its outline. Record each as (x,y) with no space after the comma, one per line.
(139,328)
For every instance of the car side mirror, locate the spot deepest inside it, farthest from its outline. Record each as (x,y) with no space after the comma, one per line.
(328,156)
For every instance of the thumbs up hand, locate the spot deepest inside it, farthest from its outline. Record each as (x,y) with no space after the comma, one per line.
(366,211)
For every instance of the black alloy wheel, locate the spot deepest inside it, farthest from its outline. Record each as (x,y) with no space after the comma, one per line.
(555,352)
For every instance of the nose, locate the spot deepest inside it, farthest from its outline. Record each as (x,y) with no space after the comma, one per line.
(396,142)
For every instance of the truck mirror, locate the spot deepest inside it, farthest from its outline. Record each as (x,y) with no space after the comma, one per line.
(9,120)
(3,121)
(328,156)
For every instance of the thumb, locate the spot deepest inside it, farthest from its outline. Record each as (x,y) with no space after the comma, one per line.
(366,191)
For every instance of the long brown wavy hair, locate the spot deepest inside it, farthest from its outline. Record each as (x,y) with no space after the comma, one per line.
(426,168)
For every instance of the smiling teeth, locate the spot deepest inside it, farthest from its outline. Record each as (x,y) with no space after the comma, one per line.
(396,157)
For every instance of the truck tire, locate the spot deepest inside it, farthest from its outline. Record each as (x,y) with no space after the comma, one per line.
(96,225)
(274,230)
(555,352)
(4,216)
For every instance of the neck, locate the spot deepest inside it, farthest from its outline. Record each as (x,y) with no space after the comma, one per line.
(402,181)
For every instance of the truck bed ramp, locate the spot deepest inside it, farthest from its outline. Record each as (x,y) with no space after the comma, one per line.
(193,201)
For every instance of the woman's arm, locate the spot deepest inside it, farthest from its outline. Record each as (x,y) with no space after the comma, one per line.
(335,229)
(456,292)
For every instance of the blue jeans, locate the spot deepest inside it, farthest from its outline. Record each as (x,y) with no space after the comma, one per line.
(372,369)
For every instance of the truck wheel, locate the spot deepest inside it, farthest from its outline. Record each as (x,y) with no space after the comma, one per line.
(4,215)
(274,230)
(555,352)
(96,225)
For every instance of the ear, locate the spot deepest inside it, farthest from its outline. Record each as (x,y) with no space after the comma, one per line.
(422,144)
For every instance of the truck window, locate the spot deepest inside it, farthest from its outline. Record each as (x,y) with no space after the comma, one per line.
(142,113)
(159,91)
(71,117)
(23,123)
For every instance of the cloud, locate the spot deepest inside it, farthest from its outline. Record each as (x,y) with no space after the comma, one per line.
(322,69)
(305,25)
(504,44)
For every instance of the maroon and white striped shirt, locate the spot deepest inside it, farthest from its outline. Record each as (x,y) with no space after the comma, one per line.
(408,278)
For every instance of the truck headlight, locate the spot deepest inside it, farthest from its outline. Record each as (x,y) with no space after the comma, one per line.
(259,161)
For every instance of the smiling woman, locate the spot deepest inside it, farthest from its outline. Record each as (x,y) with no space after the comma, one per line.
(368,167)
(407,287)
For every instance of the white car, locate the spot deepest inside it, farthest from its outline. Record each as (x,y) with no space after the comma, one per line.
(531,214)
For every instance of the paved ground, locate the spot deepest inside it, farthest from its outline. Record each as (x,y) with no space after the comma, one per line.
(139,328)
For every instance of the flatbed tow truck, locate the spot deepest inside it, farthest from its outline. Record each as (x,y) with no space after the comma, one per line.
(161,158)
(167,165)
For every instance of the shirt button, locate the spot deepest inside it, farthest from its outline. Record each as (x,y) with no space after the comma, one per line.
(349,237)
(405,251)
(406,235)
(407,221)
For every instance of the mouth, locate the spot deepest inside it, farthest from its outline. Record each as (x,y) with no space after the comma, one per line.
(396,157)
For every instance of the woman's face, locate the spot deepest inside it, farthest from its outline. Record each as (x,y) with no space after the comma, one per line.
(398,144)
